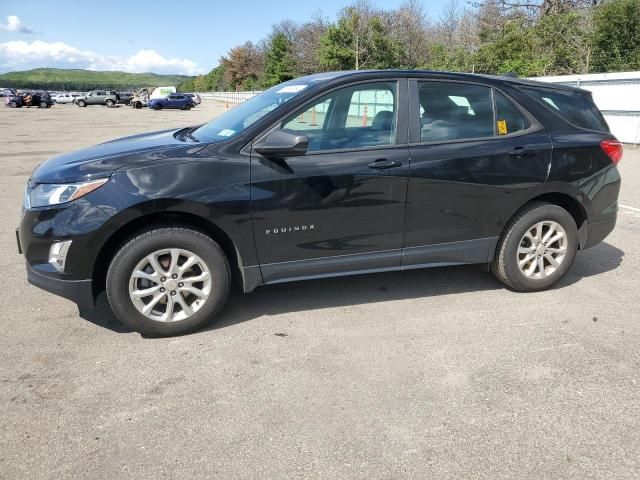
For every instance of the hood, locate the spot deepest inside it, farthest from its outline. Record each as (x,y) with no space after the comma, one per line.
(102,159)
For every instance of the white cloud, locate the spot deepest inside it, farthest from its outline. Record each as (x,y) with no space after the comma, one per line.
(152,61)
(14,24)
(22,55)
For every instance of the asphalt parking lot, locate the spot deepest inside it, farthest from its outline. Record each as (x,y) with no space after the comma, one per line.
(438,373)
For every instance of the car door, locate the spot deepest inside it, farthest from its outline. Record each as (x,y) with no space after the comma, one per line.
(476,158)
(99,98)
(339,208)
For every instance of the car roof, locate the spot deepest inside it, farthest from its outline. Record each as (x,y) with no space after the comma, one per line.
(368,74)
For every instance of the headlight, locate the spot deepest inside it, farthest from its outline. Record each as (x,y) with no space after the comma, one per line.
(46,194)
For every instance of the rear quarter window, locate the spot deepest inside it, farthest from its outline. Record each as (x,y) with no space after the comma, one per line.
(574,107)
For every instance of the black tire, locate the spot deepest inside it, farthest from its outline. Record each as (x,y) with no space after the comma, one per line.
(43,105)
(122,265)
(12,104)
(505,263)
(81,103)
(109,103)
(157,107)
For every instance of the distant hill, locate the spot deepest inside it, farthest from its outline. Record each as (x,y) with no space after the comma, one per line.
(82,80)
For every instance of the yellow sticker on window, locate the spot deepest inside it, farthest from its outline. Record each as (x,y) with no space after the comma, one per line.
(502,127)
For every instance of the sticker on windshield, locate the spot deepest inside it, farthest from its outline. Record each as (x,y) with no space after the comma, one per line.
(226,132)
(502,127)
(292,89)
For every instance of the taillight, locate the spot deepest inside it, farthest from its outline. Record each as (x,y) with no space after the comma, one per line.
(613,149)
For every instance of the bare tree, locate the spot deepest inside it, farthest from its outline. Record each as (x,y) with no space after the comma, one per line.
(288,28)
(307,41)
(408,26)
(449,22)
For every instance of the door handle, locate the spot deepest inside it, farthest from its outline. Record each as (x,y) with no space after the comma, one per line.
(522,152)
(384,164)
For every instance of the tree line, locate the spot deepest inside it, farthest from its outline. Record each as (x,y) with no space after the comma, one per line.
(524,37)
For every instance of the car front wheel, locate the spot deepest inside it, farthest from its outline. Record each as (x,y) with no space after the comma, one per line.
(537,248)
(168,281)
(157,107)
(81,103)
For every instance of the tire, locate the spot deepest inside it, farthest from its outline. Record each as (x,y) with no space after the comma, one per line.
(109,103)
(44,105)
(81,103)
(517,245)
(157,107)
(12,105)
(130,256)
(137,105)
(187,107)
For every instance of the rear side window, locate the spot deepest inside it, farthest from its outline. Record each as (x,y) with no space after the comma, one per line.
(576,108)
(454,111)
(509,118)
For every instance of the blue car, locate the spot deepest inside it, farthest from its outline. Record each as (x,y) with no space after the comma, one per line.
(174,100)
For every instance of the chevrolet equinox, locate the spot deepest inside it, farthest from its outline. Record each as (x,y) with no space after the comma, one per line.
(330,174)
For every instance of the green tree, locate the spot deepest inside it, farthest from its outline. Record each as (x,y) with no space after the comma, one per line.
(279,63)
(616,38)
(565,41)
(357,41)
(516,50)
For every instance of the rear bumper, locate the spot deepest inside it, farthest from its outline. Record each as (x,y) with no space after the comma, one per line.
(78,291)
(596,232)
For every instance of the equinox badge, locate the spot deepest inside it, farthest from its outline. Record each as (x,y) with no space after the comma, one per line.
(296,228)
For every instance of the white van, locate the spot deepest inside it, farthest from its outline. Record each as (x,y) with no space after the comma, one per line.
(162,92)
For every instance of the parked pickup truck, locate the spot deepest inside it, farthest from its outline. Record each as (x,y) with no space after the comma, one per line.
(98,97)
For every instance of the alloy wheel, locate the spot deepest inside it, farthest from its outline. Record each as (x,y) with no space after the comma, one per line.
(542,249)
(170,285)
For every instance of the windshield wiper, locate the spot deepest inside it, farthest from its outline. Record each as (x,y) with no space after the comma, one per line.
(186,132)
(190,135)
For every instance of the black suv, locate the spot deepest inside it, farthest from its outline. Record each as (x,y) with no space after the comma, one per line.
(329,174)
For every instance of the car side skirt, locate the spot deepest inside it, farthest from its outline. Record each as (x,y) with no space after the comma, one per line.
(455,253)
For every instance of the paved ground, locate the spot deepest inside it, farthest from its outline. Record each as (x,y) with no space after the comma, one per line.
(423,374)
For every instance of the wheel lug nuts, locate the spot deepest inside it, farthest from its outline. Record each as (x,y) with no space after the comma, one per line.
(162,290)
(181,284)
(174,276)
(163,279)
(173,293)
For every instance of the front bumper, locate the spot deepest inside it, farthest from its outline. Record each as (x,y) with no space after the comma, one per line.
(78,291)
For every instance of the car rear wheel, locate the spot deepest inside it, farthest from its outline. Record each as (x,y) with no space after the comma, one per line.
(537,248)
(110,103)
(168,281)
(157,107)
(12,104)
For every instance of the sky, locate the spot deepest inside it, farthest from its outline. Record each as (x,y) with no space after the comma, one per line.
(144,35)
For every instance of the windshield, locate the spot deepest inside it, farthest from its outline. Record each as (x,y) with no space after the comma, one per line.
(238,119)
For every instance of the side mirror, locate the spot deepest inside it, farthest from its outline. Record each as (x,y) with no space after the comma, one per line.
(283,143)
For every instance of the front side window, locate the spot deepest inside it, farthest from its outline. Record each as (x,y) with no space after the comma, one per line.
(358,116)
(454,111)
